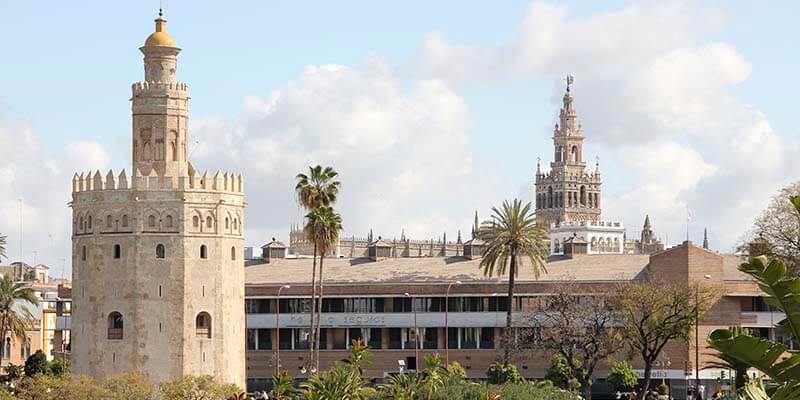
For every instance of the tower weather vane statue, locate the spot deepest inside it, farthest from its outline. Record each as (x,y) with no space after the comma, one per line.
(158,263)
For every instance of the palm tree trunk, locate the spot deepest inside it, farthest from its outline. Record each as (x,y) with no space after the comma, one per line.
(311,338)
(319,318)
(512,271)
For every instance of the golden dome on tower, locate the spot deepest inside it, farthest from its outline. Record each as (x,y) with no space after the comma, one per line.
(160,37)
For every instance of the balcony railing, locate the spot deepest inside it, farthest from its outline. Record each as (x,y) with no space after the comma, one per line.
(115,333)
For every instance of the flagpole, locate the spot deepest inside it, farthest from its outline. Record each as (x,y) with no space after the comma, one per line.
(688,218)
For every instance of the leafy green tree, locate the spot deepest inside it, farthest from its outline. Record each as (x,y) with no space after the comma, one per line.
(560,373)
(511,236)
(776,232)
(191,387)
(343,381)
(37,364)
(15,316)
(318,188)
(13,372)
(654,313)
(128,386)
(282,385)
(59,367)
(622,377)
(3,242)
(323,228)
(725,361)
(401,387)
(783,292)
(500,373)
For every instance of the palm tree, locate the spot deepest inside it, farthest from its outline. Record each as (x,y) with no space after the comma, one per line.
(15,317)
(726,361)
(2,246)
(512,235)
(318,188)
(323,228)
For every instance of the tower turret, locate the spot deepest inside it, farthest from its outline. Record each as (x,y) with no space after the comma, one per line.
(160,107)
(568,192)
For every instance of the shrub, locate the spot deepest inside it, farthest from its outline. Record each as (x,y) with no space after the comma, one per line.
(37,364)
(59,367)
(663,389)
(559,374)
(621,377)
(499,373)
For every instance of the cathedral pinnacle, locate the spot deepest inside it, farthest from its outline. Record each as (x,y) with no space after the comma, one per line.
(705,238)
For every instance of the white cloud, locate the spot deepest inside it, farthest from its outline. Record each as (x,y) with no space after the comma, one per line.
(43,184)
(653,89)
(402,150)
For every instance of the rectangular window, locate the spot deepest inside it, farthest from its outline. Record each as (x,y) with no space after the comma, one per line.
(452,338)
(375,340)
(286,339)
(333,305)
(301,337)
(339,338)
(265,339)
(469,338)
(356,334)
(409,338)
(431,338)
(395,338)
(252,337)
(323,338)
(487,338)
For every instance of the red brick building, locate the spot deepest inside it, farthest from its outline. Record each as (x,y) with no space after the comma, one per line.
(366,299)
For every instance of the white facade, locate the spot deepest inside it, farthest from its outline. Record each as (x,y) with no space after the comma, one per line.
(603,237)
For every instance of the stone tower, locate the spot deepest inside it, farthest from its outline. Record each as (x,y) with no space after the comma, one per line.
(158,262)
(568,193)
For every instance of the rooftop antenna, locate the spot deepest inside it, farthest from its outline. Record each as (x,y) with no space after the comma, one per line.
(160,8)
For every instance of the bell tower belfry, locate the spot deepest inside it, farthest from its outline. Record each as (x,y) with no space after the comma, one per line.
(160,108)
(568,193)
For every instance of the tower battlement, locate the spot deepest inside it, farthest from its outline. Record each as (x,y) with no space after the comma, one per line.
(591,177)
(179,88)
(219,182)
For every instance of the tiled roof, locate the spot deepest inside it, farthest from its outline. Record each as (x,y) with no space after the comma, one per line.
(601,267)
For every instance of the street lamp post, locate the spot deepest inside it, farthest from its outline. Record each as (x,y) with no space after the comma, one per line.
(278,330)
(416,334)
(697,338)
(446,326)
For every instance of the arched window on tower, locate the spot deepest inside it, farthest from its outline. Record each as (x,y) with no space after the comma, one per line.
(583,196)
(575,156)
(203,325)
(161,252)
(550,197)
(90,222)
(83,253)
(168,221)
(117,251)
(125,221)
(559,150)
(115,326)
(209,222)
(227,223)
(235,224)
(109,221)
(556,246)
(233,253)
(196,221)
(203,251)
(151,221)
(81,224)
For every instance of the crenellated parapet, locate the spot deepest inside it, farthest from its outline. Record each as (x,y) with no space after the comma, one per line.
(179,88)
(218,182)
(588,177)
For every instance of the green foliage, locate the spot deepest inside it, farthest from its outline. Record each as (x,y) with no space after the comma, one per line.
(128,386)
(37,364)
(342,382)
(59,367)
(400,387)
(512,236)
(13,372)
(15,316)
(196,388)
(560,373)
(318,188)
(622,377)
(499,373)
(2,246)
(725,361)
(663,389)
(783,292)
(531,391)
(282,385)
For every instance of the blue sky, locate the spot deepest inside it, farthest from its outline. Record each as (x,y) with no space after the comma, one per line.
(468,91)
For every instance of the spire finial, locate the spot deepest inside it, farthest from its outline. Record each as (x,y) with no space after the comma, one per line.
(160,8)
(570,80)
